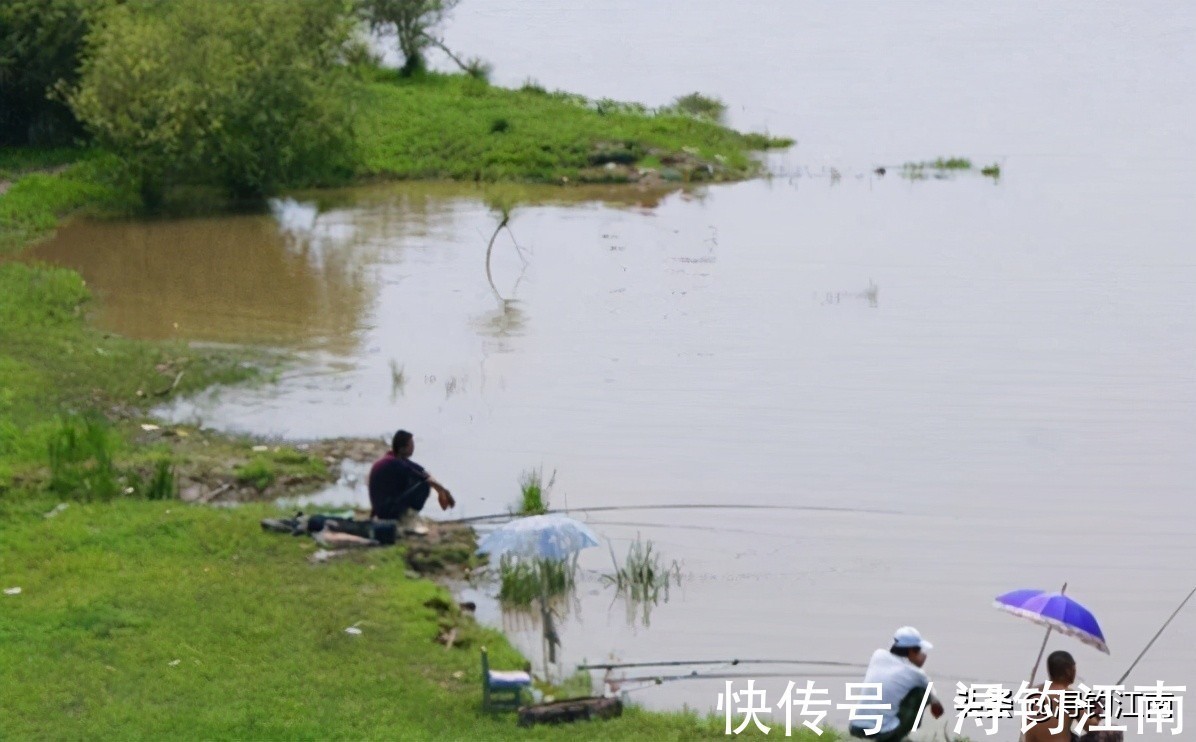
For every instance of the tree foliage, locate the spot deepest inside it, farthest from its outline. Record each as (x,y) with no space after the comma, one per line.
(250,95)
(40,44)
(412,23)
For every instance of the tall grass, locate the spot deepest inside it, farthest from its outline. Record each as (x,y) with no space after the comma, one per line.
(701,106)
(525,581)
(533,496)
(80,456)
(81,453)
(643,579)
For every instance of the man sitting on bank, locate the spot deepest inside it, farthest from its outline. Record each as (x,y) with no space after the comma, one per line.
(399,487)
(904,686)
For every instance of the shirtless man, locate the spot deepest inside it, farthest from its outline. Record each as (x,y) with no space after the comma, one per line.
(1061,668)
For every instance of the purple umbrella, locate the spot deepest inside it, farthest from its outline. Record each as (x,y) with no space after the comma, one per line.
(1055,611)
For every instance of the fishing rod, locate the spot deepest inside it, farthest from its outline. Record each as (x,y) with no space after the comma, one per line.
(610,508)
(695,675)
(1156,636)
(732,663)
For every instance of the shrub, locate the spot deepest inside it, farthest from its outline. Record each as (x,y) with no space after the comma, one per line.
(700,106)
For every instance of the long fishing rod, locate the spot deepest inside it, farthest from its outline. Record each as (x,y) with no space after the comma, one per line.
(732,663)
(609,508)
(1156,636)
(659,679)
(695,675)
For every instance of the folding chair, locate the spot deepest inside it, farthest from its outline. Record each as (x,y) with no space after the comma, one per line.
(502,689)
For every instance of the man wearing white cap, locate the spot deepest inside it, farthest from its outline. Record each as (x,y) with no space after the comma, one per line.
(904,686)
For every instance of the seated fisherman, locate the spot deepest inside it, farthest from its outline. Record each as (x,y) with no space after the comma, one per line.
(904,686)
(1055,722)
(399,487)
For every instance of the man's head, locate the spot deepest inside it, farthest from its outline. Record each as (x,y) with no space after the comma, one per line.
(403,444)
(1061,667)
(908,643)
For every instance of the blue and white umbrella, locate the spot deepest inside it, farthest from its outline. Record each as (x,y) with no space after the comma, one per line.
(538,536)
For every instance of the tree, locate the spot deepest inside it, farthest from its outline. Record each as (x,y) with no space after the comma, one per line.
(412,22)
(40,45)
(249,95)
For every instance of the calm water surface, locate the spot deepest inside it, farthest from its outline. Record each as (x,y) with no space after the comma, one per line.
(993,380)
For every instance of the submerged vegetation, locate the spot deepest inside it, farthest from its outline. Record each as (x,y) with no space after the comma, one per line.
(643,579)
(943,165)
(524,581)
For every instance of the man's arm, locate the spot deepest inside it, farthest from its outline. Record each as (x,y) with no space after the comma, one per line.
(442,494)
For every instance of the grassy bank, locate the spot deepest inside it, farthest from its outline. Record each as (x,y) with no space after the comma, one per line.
(164,620)
(53,364)
(454,126)
(146,617)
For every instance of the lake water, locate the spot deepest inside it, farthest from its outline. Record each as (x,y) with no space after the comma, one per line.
(972,385)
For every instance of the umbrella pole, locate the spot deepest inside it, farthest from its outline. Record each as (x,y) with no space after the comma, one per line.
(1042,649)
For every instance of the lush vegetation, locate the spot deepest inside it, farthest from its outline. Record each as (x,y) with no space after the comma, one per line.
(140,616)
(459,127)
(52,364)
(250,96)
(41,42)
(140,619)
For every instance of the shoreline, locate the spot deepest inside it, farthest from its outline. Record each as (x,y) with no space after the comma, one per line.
(111,406)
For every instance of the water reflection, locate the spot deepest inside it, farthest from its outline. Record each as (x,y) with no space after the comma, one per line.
(286,278)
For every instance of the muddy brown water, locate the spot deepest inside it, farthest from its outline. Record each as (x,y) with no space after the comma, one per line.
(1008,366)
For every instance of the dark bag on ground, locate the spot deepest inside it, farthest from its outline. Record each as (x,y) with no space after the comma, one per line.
(384,532)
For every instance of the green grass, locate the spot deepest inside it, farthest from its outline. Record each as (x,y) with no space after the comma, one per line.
(165,621)
(34,204)
(993,171)
(446,126)
(16,161)
(533,493)
(53,363)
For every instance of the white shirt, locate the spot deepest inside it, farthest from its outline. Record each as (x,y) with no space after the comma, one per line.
(897,677)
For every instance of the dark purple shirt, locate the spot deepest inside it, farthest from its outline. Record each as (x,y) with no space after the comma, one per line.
(394,485)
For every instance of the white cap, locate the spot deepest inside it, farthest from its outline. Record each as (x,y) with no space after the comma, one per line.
(908,637)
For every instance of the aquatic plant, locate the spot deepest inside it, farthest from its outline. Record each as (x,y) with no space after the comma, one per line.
(953,163)
(398,379)
(533,492)
(992,171)
(524,581)
(643,579)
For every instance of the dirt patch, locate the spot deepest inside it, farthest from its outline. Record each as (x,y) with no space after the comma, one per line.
(214,467)
(447,551)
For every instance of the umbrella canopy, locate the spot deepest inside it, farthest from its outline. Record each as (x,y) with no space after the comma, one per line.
(1056,611)
(538,536)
